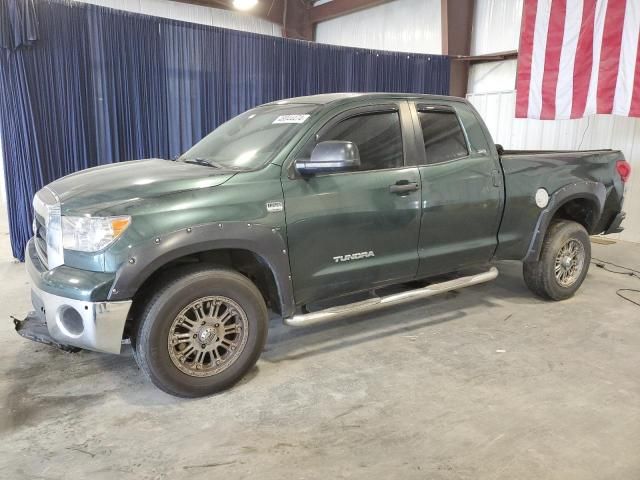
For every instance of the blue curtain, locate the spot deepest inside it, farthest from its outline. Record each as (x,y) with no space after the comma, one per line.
(82,85)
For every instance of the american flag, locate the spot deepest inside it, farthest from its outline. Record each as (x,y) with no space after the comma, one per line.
(578,58)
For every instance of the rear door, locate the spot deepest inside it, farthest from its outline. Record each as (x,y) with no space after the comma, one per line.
(352,231)
(462,190)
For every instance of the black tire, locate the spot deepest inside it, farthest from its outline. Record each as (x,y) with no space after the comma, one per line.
(540,276)
(150,341)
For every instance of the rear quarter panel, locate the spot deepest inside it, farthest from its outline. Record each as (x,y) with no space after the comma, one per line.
(525,173)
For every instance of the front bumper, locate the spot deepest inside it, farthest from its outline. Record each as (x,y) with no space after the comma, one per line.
(78,322)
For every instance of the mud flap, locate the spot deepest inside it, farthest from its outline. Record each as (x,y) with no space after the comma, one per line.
(35,329)
(615,224)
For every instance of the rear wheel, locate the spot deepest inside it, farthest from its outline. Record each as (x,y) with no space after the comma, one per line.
(563,264)
(201,332)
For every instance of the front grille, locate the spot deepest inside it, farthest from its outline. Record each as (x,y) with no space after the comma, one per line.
(48,228)
(40,239)
(43,204)
(41,229)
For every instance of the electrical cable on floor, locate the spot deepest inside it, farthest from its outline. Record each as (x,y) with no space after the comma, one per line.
(630,272)
(615,265)
(627,298)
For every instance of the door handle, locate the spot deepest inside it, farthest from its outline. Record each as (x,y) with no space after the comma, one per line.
(496,175)
(403,186)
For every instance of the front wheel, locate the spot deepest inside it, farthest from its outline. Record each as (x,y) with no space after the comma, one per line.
(200,333)
(563,264)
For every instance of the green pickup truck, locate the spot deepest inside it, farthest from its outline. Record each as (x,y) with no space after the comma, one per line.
(307,209)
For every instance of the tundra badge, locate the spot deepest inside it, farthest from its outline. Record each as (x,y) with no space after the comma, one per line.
(353,256)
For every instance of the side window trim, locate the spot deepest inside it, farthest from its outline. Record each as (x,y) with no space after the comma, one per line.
(345,115)
(424,107)
(487,141)
(356,112)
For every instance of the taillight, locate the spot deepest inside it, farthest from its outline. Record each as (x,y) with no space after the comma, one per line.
(624,170)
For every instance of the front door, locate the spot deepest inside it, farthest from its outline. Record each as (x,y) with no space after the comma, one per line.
(461,193)
(350,231)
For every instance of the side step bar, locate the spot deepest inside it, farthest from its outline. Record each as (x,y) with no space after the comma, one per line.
(375,303)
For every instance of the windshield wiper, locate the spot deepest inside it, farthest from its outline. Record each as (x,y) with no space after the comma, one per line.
(211,163)
(203,161)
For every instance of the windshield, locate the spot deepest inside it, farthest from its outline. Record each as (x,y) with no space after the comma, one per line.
(250,140)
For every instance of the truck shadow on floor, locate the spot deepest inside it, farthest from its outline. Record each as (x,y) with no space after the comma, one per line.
(291,343)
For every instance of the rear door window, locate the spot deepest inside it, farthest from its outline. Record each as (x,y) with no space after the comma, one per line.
(443,137)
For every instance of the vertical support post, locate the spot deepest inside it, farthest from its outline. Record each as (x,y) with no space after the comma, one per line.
(457,22)
(296,20)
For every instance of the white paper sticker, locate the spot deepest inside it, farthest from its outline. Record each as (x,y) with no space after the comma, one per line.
(291,119)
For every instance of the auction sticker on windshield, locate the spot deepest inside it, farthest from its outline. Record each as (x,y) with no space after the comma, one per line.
(291,119)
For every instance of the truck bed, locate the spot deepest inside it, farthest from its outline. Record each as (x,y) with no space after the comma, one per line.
(510,153)
(526,171)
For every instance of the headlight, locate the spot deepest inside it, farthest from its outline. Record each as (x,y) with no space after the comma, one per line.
(91,234)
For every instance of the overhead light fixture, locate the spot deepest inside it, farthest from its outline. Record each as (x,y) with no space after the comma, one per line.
(244,4)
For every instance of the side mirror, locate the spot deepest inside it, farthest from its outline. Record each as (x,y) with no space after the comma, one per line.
(331,156)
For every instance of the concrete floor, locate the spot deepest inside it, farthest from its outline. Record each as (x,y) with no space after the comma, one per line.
(486,383)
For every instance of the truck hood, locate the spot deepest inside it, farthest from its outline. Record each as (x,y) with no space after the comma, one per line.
(95,189)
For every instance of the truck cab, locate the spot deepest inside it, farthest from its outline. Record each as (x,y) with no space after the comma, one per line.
(426,198)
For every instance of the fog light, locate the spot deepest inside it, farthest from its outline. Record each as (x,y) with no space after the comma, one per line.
(70,321)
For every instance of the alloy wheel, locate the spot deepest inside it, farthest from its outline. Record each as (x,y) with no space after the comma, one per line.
(569,263)
(208,336)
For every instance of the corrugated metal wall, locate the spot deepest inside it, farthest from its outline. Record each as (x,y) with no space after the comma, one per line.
(600,131)
(492,77)
(496,28)
(214,17)
(401,26)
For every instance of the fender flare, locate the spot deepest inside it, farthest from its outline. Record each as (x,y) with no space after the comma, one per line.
(594,191)
(264,241)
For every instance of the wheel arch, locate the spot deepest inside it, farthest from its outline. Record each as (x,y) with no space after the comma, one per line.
(582,202)
(257,248)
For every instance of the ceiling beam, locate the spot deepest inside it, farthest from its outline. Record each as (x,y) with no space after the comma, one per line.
(338,8)
(489,57)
